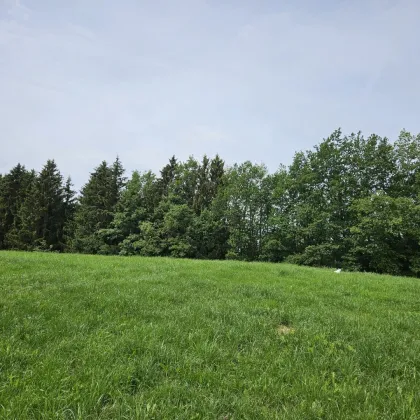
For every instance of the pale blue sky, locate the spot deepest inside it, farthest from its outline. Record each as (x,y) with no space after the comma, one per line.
(85,80)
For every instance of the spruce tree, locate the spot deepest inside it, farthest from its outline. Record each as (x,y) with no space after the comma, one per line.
(167,176)
(202,197)
(70,206)
(97,206)
(24,231)
(217,173)
(13,191)
(40,219)
(51,207)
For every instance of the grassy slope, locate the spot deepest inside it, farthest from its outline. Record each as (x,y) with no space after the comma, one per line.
(103,337)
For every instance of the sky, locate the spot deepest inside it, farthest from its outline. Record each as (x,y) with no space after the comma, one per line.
(83,81)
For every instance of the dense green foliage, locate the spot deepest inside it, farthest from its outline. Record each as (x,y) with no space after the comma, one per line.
(92,337)
(351,202)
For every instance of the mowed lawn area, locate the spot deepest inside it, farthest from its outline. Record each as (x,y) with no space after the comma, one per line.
(86,337)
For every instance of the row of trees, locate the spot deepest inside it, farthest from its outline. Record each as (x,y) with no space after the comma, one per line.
(351,202)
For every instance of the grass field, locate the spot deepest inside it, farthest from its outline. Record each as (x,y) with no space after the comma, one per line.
(86,337)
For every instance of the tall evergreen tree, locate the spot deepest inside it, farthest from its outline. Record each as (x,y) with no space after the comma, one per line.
(202,197)
(41,217)
(24,231)
(217,176)
(51,207)
(70,206)
(13,191)
(167,176)
(118,179)
(97,206)
(129,213)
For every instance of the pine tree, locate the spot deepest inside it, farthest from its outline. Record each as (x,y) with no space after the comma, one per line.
(128,215)
(52,207)
(98,201)
(217,174)
(202,197)
(118,179)
(13,191)
(24,231)
(41,217)
(167,176)
(70,206)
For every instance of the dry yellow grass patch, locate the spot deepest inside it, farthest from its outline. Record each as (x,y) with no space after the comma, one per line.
(284,329)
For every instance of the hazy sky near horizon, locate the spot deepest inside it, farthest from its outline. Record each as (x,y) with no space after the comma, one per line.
(84,80)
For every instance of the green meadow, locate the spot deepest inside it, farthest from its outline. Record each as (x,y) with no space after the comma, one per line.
(95,337)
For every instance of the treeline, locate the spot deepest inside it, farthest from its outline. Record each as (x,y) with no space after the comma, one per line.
(351,202)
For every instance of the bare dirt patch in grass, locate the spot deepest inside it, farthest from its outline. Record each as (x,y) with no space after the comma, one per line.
(284,329)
